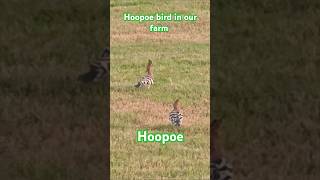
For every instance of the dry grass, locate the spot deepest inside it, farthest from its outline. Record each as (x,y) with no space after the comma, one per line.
(181,70)
(178,31)
(153,113)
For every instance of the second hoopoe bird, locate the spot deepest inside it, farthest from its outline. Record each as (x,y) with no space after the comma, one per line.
(175,116)
(147,80)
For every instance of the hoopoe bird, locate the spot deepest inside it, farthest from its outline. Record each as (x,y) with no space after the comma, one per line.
(221,168)
(147,80)
(175,116)
(97,70)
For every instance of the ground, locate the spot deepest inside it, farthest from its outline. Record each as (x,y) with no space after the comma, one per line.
(181,66)
(266,83)
(267,87)
(52,126)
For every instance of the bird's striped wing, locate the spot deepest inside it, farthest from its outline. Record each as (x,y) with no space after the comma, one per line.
(175,118)
(145,81)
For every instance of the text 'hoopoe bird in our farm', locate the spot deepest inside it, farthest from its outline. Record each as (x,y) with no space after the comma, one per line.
(98,71)
(175,116)
(221,168)
(147,80)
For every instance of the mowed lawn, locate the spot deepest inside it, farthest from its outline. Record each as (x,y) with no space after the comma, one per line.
(181,66)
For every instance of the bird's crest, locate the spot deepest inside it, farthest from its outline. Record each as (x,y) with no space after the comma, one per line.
(149,67)
(176,105)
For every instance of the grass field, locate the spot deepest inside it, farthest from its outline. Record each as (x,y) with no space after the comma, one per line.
(267,86)
(181,70)
(52,126)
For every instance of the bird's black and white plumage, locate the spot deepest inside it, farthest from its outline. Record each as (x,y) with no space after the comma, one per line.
(175,116)
(222,169)
(99,70)
(147,80)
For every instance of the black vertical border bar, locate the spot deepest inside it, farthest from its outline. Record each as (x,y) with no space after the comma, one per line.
(107,89)
(213,67)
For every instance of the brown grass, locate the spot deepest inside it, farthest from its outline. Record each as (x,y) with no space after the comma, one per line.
(178,31)
(154,113)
